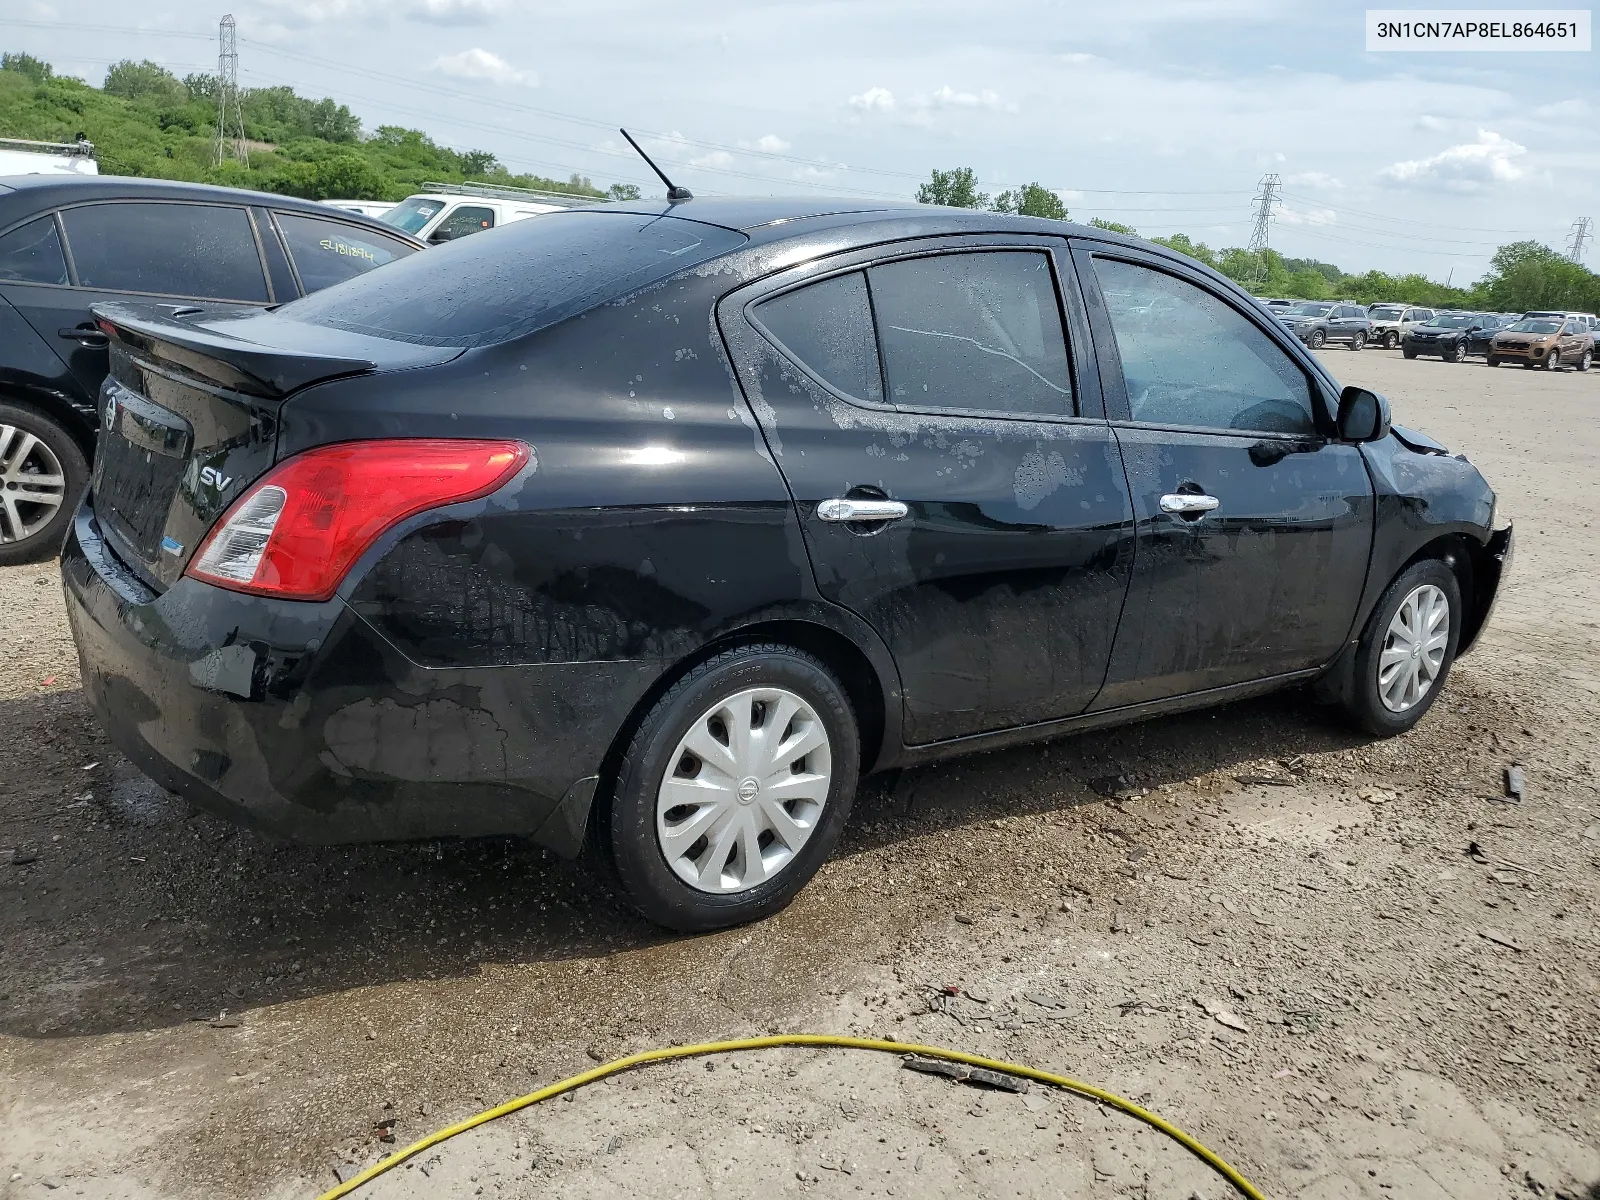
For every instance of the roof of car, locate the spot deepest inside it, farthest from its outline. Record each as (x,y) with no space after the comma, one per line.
(21,195)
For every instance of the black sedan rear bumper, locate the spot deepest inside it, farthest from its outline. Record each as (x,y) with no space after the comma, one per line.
(300,719)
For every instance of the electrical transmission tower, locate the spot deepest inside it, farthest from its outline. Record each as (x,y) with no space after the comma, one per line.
(1261,231)
(230,118)
(1582,231)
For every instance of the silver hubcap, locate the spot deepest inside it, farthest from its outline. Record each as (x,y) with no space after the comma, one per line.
(1413,649)
(744,791)
(32,484)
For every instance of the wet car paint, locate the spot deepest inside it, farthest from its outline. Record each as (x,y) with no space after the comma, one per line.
(481,665)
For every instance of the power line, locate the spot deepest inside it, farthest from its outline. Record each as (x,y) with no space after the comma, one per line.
(1261,232)
(230,117)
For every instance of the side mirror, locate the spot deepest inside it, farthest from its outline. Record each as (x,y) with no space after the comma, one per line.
(439,236)
(1363,415)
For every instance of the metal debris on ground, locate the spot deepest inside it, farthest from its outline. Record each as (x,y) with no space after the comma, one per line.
(963,1073)
(1514,783)
(1500,939)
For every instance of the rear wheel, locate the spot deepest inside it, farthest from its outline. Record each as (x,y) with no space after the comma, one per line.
(1358,341)
(1407,649)
(1391,340)
(42,474)
(735,789)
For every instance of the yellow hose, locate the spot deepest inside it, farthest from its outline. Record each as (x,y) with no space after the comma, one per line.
(667,1053)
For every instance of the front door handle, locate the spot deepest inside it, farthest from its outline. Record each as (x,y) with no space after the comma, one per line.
(1187,504)
(842,509)
(86,335)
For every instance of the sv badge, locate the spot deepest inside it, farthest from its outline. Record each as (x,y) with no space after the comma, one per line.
(213,478)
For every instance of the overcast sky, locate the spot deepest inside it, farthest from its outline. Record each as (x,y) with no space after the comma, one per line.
(1163,114)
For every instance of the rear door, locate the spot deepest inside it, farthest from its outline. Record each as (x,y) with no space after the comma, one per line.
(1254,529)
(34,283)
(325,251)
(167,250)
(957,484)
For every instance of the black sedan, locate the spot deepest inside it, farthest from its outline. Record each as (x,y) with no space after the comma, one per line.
(657,525)
(1451,336)
(67,242)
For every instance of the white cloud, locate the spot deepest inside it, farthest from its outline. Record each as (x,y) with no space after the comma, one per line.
(1469,167)
(769,143)
(874,99)
(712,158)
(1310,216)
(1564,110)
(948,97)
(453,12)
(478,63)
(435,12)
(1431,123)
(1314,179)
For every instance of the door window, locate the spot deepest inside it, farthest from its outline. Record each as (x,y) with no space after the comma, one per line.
(826,327)
(467,219)
(201,250)
(978,331)
(329,252)
(32,254)
(1190,359)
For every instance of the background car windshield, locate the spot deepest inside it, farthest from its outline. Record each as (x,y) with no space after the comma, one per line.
(1310,310)
(1383,312)
(411,215)
(1458,321)
(479,291)
(1535,327)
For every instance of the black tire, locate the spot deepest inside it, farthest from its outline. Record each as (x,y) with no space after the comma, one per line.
(1316,339)
(1358,340)
(1451,353)
(1391,340)
(646,879)
(1362,701)
(41,540)
(1409,352)
(1492,361)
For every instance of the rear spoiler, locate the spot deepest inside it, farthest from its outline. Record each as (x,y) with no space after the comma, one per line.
(254,351)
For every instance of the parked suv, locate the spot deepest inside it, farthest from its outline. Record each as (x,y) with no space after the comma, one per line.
(1547,342)
(667,551)
(1390,322)
(67,242)
(1450,336)
(1316,322)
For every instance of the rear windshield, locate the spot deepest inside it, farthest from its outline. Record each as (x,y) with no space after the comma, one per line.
(508,282)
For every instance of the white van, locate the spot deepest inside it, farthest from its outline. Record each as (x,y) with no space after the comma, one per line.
(367,208)
(446,211)
(18,157)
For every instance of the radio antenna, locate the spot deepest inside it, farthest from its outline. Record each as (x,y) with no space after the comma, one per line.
(674,192)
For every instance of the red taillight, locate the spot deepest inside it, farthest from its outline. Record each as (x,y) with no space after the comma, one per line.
(297,531)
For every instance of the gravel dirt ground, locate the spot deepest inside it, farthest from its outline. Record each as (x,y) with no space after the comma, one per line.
(1343,964)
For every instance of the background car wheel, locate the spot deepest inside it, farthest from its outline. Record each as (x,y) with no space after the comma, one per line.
(1316,339)
(1451,353)
(1358,341)
(1409,352)
(1551,360)
(1492,361)
(1406,650)
(1584,363)
(42,474)
(1391,340)
(734,789)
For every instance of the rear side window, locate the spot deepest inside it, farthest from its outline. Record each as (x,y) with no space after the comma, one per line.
(530,274)
(203,250)
(329,252)
(977,331)
(827,327)
(32,254)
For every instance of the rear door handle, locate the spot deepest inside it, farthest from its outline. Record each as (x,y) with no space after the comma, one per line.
(88,335)
(841,509)
(1186,504)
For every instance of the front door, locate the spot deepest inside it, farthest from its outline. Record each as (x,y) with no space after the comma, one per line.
(1254,528)
(957,485)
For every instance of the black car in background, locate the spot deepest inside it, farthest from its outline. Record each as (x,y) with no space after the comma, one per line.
(1317,322)
(1483,330)
(1451,336)
(663,553)
(67,242)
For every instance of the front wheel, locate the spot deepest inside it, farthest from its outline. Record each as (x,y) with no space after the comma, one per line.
(1451,353)
(1407,649)
(1409,352)
(734,790)
(1391,340)
(42,473)
(1492,361)
(1358,341)
(1316,339)
(1551,360)
(1586,361)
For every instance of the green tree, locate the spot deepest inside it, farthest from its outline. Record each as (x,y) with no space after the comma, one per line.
(334,122)
(1114,226)
(623,191)
(143,80)
(35,69)
(957,188)
(201,87)
(1196,250)
(1031,200)
(1527,275)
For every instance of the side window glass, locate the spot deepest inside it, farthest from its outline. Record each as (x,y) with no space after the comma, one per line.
(464,220)
(827,328)
(977,331)
(1199,363)
(201,250)
(32,254)
(329,252)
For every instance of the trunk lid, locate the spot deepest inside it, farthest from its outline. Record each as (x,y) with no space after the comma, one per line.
(189,416)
